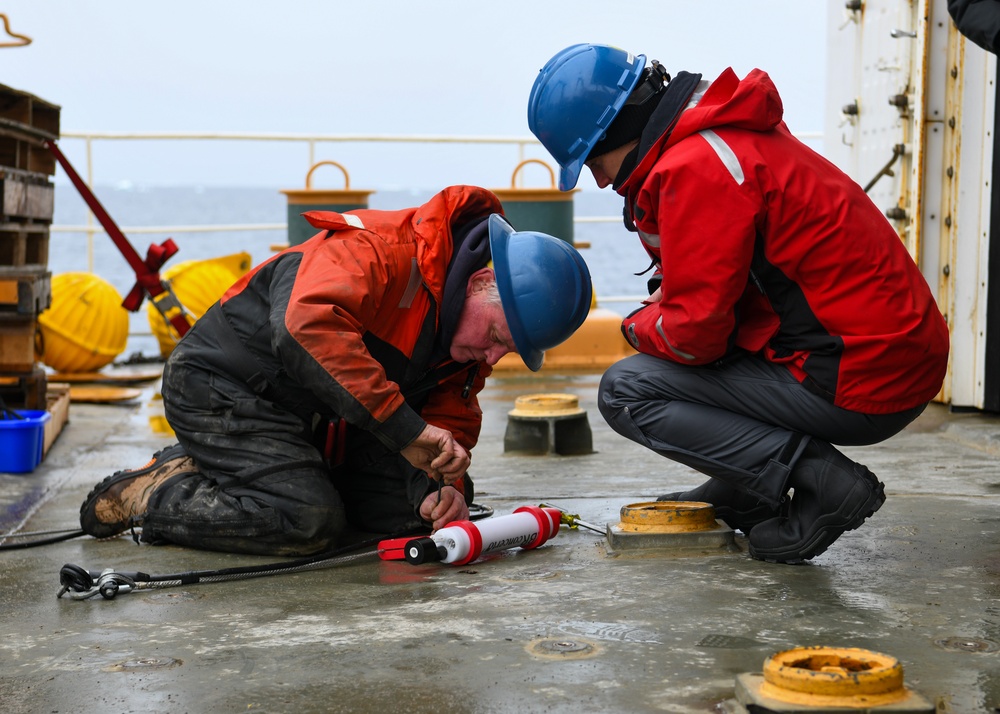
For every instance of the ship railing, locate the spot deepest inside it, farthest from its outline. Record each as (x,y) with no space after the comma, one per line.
(523,145)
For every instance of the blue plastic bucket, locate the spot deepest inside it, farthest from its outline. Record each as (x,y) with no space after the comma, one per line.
(22,441)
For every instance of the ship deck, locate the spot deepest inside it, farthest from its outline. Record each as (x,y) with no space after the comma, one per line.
(570,626)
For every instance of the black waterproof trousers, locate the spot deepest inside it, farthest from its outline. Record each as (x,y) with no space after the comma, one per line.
(262,484)
(745,422)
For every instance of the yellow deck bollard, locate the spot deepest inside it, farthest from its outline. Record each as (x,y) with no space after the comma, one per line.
(670,527)
(817,679)
(548,423)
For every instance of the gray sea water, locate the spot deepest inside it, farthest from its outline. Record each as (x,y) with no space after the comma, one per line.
(614,256)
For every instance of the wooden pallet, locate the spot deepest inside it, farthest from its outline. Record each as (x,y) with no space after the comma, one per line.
(17,348)
(26,389)
(24,121)
(24,244)
(26,196)
(57,399)
(24,291)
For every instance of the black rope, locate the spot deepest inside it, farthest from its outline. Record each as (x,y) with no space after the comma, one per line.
(6,413)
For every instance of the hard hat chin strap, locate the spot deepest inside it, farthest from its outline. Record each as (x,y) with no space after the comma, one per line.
(654,79)
(636,111)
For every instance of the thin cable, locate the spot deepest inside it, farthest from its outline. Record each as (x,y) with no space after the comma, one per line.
(66,535)
(86,584)
(220,576)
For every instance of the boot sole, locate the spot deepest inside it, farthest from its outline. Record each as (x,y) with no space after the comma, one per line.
(98,529)
(825,534)
(91,525)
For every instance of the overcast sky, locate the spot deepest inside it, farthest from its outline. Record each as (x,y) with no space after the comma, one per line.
(449,67)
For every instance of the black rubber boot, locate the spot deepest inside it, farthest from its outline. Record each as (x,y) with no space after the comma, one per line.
(739,511)
(833,494)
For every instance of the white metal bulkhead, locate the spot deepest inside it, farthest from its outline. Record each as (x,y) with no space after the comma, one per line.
(911,107)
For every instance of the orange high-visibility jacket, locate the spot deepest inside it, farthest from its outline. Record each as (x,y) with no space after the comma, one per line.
(347,323)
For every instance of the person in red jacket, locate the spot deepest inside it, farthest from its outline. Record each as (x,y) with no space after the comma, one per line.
(785,314)
(336,383)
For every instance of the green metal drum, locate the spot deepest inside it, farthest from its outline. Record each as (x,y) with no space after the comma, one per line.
(322,199)
(547,210)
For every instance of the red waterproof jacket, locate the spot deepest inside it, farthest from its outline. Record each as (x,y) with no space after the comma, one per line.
(766,246)
(347,323)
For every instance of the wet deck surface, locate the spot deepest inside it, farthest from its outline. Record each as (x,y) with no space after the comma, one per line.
(564,628)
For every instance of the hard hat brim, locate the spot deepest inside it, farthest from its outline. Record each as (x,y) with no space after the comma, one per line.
(570,174)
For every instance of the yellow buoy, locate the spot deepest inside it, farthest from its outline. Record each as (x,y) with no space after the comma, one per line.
(197,285)
(86,326)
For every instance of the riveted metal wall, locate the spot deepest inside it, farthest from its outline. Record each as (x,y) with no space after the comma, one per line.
(873,129)
(969,76)
(912,114)
(991,377)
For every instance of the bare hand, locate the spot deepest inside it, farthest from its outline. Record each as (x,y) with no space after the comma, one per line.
(654,298)
(451,508)
(436,452)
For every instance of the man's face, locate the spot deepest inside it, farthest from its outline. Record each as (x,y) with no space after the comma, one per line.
(482,333)
(606,166)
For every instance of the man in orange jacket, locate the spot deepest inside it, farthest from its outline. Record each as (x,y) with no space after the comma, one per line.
(336,383)
(785,314)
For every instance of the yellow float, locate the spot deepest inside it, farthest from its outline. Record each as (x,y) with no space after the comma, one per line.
(86,326)
(197,285)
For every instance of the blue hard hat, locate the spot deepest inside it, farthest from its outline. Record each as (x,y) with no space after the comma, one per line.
(576,96)
(544,286)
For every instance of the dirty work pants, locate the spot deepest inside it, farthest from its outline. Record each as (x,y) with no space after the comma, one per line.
(745,422)
(262,485)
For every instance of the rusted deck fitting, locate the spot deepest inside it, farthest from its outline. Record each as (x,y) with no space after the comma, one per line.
(817,679)
(670,525)
(548,423)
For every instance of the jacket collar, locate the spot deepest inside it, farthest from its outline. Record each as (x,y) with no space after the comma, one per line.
(471,251)
(677,96)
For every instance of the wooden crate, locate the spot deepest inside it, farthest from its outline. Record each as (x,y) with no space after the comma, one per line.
(24,390)
(24,119)
(57,404)
(24,244)
(24,108)
(19,152)
(17,345)
(25,195)
(24,292)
